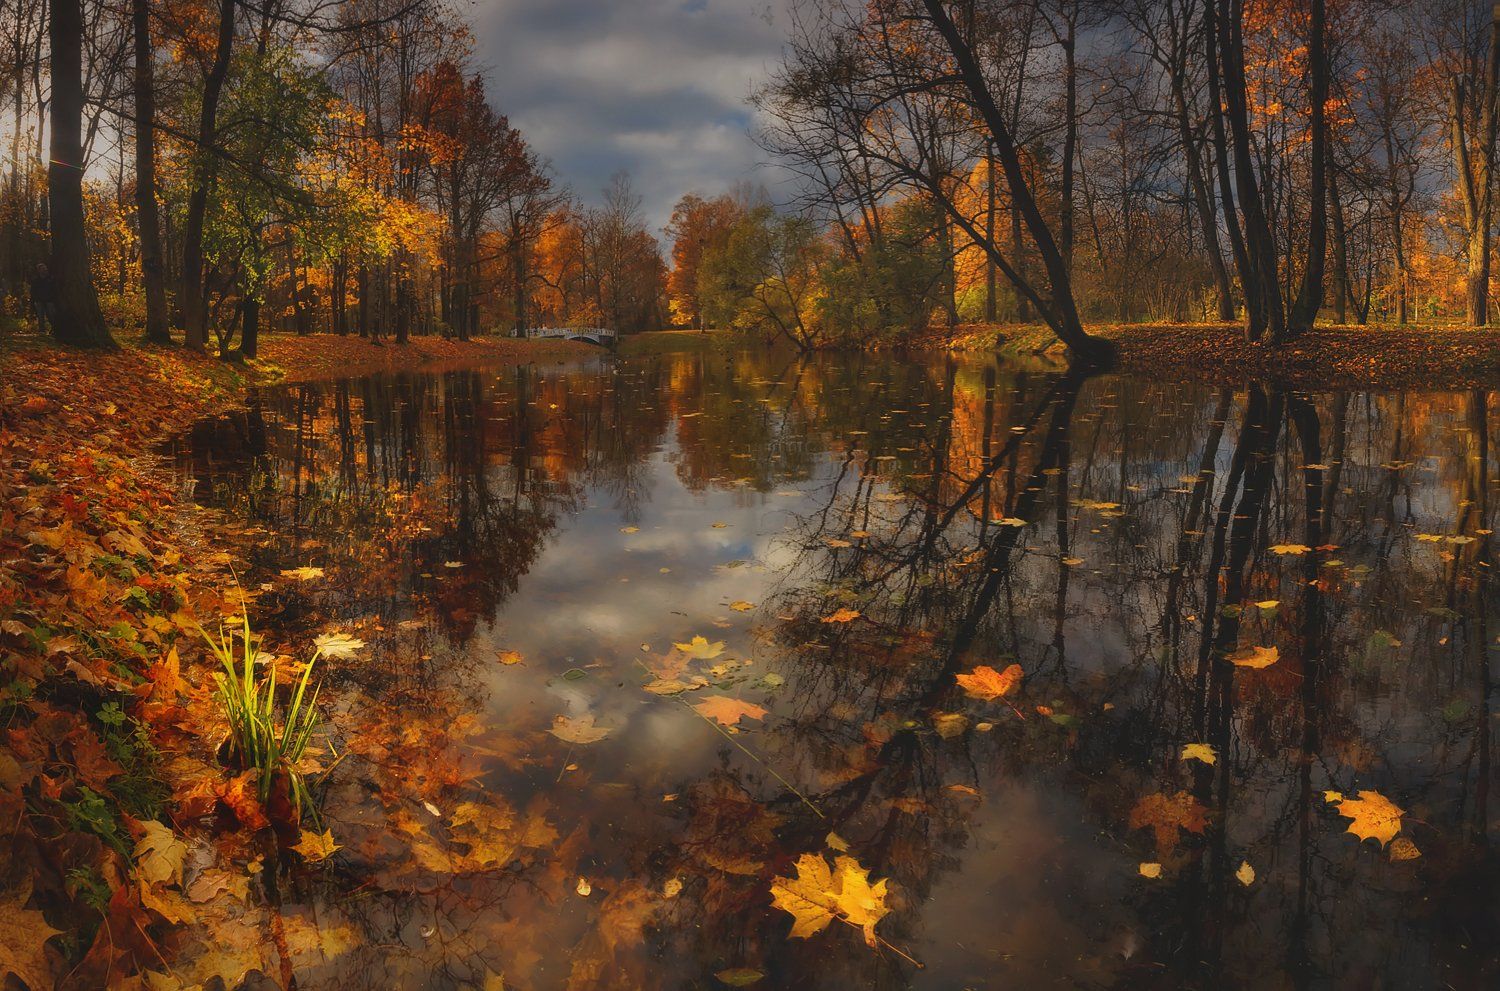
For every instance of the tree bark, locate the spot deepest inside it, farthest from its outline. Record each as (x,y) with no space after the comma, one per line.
(190,293)
(153,274)
(1310,294)
(78,320)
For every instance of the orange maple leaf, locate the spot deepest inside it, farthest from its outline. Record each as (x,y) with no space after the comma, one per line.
(984,682)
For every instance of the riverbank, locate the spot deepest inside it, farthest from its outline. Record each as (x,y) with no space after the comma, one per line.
(1344,357)
(109,784)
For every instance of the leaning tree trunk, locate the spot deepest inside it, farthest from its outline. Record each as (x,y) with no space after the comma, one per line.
(1062,312)
(190,294)
(78,320)
(153,273)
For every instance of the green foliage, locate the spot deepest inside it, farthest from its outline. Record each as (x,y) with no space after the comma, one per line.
(140,791)
(265,736)
(766,276)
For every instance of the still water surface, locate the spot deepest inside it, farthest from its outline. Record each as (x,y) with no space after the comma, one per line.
(521,548)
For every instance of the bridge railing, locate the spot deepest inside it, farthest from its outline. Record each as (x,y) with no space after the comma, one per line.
(548,332)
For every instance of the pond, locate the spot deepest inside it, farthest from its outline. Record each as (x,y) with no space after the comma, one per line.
(667,656)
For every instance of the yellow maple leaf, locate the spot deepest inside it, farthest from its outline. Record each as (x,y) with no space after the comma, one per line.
(303,574)
(1293,549)
(1246,874)
(579,730)
(819,894)
(159,854)
(699,648)
(842,616)
(1200,751)
(1372,815)
(316,846)
(1149,869)
(984,682)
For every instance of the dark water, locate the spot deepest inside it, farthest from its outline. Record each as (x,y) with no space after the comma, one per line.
(590,516)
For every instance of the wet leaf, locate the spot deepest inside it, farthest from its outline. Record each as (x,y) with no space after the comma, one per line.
(1151,870)
(1165,814)
(578,730)
(508,657)
(1372,816)
(583,887)
(950,724)
(986,683)
(316,846)
(817,895)
(1246,874)
(1200,751)
(728,711)
(700,649)
(842,616)
(159,854)
(303,574)
(1290,549)
(1254,657)
(339,645)
(1403,849)
(739,977)
(740,605)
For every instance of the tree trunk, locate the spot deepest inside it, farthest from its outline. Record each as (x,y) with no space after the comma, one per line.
(190,293)
(78,320)
(1062,313)
(250,330)
(153,275)
(991,301)
(1310,295)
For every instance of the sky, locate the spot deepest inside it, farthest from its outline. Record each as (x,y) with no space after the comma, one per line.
(655,87)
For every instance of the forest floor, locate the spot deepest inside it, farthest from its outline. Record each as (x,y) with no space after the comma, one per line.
(108,725)
(1342,357)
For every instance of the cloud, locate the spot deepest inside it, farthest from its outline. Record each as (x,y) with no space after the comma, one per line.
(657,87)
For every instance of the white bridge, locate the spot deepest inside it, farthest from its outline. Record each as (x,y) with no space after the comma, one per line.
(592,335)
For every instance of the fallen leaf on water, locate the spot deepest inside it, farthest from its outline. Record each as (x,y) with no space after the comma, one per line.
(584,888)
(1150,870)
(740,605)
(699,648)
(950,724)
(630,529)
(508,656)
(304,574)
(739,977)
(340,645)
(666,686)
(579,730)
(986,683)
(672,888)
(1009,521)
(1166,814)
(1268,604)
(1403,849)
(728,711)
(1372,815)
(1285,549)
(1254,657)
(1246,874)
(817,895)
(1200,751)
(316,846)
(842,616)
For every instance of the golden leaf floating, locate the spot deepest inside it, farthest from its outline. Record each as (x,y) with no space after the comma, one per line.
(1290,549)
(1200,751)
(739,977)
(1254,657)
(842,616)
(817,895)
(728,711)
(340,645)
(1246,874)
(1165,814)
(984,682)
(700,649)
(1372,816)
(740,605)
(578,730)
(316,846)
(1149,869)
(508,657)
(950,724)
(304,574)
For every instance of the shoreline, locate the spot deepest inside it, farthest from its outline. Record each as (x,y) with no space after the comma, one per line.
(1328,359)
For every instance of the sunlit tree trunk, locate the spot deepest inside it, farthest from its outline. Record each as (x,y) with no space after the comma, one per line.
(78,320)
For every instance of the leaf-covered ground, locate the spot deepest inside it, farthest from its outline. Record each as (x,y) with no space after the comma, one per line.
(109,786)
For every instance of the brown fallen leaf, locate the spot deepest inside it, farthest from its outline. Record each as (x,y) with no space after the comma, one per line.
(728,711)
